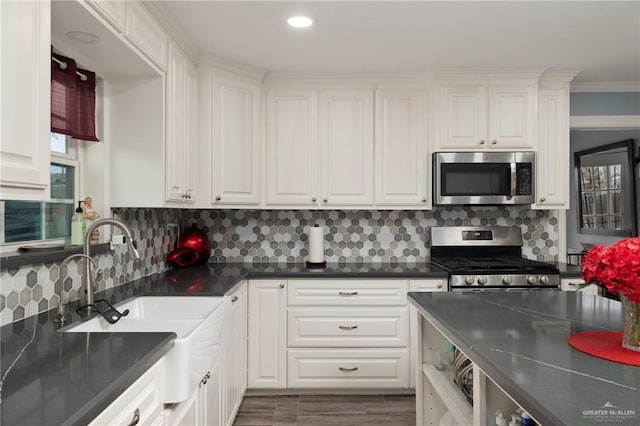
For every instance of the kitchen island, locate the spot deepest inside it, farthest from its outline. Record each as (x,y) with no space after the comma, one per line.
(517,342)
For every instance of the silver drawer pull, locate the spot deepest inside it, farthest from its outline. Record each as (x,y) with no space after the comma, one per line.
(136,418)
(348,369)
(348,293)
(347,327)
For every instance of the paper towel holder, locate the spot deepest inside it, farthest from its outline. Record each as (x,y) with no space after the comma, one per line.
(316,265)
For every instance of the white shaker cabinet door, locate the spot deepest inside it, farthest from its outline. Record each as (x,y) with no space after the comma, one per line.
(235,354)
(146,33)
(267,312)
(291,148)
(25,78)
(401,147)
(346,141)
(552,162)
(463,116)
(512,116)
(236,148)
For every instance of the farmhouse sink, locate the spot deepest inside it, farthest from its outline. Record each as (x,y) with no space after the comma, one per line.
(197,322)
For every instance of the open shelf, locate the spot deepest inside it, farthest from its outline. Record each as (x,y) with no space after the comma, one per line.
(449,394)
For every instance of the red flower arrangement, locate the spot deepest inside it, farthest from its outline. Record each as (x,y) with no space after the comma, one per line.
(616,267)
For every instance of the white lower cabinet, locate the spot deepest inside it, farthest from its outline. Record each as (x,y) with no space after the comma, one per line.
(267,363)
(140,404)
(234,356)
(339,333)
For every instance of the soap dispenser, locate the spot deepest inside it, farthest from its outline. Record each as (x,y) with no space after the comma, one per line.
(515,420)
(501,420)
(78,226)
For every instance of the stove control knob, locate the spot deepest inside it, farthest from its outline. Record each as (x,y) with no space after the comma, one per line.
(507,280)
(482,280)
(544,279)
(468,280)
(531,279)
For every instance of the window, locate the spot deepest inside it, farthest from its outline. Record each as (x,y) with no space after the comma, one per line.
(31,221)
(607,190)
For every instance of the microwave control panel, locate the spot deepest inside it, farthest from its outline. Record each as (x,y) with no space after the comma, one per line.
(523,179)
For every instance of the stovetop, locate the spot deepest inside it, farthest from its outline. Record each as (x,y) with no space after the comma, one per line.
(511,265)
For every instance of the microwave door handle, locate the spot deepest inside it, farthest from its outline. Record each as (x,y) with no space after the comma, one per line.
(514,178)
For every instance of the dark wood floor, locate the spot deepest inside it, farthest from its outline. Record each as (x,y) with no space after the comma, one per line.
(312,410)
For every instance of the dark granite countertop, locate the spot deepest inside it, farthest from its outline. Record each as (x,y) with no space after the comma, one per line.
(70,378)
(519,339)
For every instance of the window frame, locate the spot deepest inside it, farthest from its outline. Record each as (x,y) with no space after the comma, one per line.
(71,159)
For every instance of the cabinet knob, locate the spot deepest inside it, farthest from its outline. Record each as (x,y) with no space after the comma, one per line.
(439,285)
(313,199)
(136,418)
(234,299)
(281,285)
(424,200)
(324,200)
(218,198)
(208,375)
(494,142)
(188,195)
(482,142)
(542,200)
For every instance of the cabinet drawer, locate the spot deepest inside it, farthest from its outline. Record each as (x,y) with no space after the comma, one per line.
(348,327)
(141,399)
(347,292)
(348,368)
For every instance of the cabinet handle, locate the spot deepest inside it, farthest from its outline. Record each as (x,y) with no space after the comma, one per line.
(494,142)
(281,285)
(313,199)
(348,369)
(208,375)
(573,285)
(136,418)
(424,200)
(542,200)
(218,198)
(347,327)
(324,200)
(482,142)
(234,299)
(348,293)
(189,195)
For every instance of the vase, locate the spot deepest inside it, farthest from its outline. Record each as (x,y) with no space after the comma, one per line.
(631,332)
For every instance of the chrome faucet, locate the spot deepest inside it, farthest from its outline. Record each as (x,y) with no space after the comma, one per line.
(63,316)
(88,288)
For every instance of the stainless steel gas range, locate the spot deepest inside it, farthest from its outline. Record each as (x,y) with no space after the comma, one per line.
(489,258)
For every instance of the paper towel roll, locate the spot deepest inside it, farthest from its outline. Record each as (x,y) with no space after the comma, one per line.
(316,244)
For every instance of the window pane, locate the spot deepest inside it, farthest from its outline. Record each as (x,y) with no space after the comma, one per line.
(58,220)
(22,221)
(61,182)
(59,143)
(586,177)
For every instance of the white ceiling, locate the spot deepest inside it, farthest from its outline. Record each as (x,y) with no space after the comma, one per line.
(600,38)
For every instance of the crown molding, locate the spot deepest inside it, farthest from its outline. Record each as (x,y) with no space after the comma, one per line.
(506,72)
(562,76)
(352,78)
(594,122)
(168,23)
(609,87)
(224,64)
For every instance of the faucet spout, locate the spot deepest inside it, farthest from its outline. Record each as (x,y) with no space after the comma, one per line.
(88,288)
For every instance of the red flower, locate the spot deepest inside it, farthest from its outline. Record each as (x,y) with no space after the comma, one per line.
(616,267)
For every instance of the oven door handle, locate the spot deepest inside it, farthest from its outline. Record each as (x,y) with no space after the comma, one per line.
(514,178)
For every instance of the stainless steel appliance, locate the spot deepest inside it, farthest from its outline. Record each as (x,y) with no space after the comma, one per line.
(483,178)
(489,258)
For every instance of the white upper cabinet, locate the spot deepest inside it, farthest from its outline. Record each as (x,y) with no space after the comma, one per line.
(114,11)
(146,33)
(291,148)
(552,162)
(401,147)
(346,144)
(180,127)
(236,141)
(487,114)
(25,78)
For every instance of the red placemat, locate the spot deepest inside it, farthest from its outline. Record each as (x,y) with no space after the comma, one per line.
(605,345)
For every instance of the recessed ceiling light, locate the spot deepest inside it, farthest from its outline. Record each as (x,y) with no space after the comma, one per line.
(83,37)
(300,21)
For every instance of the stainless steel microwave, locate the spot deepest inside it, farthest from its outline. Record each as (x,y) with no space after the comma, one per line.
(483,178)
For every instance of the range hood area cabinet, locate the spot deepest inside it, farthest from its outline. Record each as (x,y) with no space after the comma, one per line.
(25,38)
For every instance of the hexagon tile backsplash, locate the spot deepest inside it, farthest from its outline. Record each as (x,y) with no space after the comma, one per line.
(361,236)
(32,289)
(278,236)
